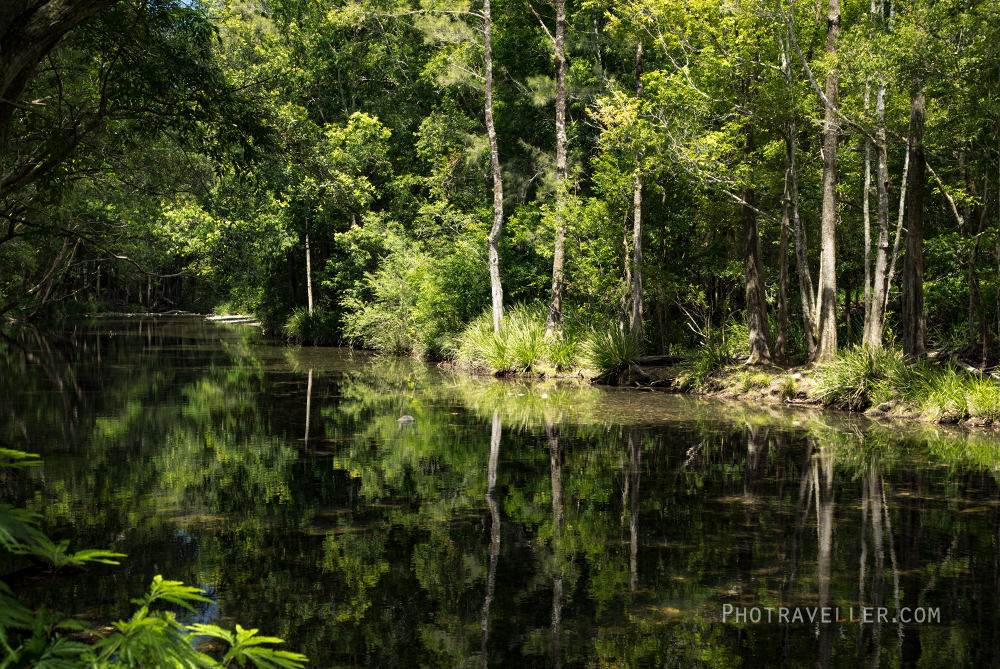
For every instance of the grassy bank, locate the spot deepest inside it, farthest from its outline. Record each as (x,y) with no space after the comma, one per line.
(522,347)
(879,382)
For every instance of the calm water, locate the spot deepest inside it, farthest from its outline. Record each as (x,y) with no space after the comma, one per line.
(523,524)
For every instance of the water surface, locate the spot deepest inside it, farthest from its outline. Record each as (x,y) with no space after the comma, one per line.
(523,524)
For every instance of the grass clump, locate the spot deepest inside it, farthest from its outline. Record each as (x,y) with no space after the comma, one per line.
(701,374)
(318,328)
(863,376)
(749,380)
(612,351)
(984,400)
(519,347)
(788,387)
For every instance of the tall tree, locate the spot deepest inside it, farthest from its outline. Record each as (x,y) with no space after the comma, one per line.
(637,315)
(826,347)
(496,288)
(756,306)
(914,325)
(554,318)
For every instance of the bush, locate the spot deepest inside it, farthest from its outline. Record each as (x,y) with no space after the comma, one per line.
(147,639)
(863,376)
(520,346)
(319,328)
(612,351)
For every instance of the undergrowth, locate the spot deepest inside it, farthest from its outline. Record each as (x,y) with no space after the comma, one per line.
(522,345)
(861,378)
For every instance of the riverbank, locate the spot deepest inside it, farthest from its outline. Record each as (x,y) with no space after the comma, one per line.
(877,383)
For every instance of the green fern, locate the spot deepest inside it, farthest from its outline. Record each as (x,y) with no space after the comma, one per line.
(148,639)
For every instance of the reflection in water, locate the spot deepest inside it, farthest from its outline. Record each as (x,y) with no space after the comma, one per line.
(555,467)
(365,541)
(491,499)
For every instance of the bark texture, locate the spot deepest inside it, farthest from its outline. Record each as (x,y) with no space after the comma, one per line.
(875,310)
(554,318)
(637,313)
(496,288)
(826,347)
(914,330)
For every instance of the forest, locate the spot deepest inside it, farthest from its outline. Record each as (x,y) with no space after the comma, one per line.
(531,188)
(647,176)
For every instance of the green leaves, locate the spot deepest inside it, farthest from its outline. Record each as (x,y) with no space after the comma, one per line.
(147,639)
(174,592)
(245,646)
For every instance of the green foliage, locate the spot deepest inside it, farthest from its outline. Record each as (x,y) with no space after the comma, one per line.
(520,346)
(863,376)
(612,351)
(318,328)
(749,380)
(788,387)
(149,638)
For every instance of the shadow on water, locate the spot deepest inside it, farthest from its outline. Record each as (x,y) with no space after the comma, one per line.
(510,523)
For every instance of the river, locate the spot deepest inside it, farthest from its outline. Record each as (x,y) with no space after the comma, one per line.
(511,523)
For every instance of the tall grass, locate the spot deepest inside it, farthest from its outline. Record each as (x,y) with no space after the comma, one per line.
(611,351)
(318,328)
(864,377)
(519,346)
(702,372)
(522,346)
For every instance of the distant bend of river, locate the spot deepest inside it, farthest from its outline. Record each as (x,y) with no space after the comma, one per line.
(509,523)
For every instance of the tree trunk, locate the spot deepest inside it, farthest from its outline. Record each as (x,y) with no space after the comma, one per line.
(554,319)
(29,29)
(978,218)
(555,465)
(637,315)
(494,238)
(826,347)
(786,204)
(494,503)
(801,257)
(309,282)
(866,216)
(760,336)
(904,185)
(875,311)
(914,330)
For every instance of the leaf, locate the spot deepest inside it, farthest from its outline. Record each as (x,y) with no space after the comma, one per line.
(174,592)
(246,649)
(95,555)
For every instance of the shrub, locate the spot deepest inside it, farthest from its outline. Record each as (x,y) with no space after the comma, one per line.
(611,351)
(520,346)
(318,328)
(863,376)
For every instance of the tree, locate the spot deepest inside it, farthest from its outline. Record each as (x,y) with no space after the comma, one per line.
(914,325)
(29,30)
(496,288)
(554,318)
(826,347)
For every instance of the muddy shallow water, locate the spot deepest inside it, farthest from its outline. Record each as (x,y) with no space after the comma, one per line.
(509,524)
